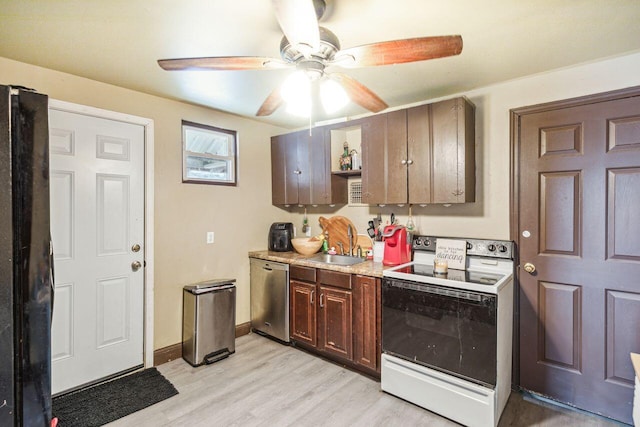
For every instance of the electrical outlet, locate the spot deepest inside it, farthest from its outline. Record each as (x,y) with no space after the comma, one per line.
(210,237)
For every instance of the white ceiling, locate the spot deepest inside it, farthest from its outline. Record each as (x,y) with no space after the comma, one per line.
(119,41)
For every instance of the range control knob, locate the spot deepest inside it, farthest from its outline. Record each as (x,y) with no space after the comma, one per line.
(469,246)
(502,248)
(491,247)
(418,242)
(427,242)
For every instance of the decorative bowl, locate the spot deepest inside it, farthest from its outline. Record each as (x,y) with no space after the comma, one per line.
(306,246)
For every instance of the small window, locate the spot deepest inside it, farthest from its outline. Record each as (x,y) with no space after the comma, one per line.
(208,154)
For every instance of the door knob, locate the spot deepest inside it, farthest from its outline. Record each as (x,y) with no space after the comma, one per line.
(135,265)
(135,248)
(529,268)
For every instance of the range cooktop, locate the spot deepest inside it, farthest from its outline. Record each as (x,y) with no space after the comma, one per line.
(468,276)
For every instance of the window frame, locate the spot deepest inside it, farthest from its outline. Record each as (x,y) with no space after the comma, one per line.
(232,159)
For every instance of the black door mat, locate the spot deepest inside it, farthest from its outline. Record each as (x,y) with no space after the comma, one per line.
(104,403)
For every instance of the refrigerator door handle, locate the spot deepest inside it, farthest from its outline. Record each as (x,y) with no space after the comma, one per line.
(52,277)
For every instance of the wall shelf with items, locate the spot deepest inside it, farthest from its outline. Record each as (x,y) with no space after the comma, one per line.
(351,137)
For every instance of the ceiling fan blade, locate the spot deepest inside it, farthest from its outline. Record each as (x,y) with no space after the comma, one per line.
(299,23)
(400,51)
(271,104)
(359,93)
(222,63)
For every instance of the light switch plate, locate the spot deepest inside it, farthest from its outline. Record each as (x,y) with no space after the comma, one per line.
(210,237)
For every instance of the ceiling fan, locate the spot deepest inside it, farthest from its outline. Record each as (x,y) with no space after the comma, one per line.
(311,48)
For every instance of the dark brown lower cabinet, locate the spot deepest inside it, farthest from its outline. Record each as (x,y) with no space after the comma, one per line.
(336,315)
(334,322)
(303,312)
(366,322)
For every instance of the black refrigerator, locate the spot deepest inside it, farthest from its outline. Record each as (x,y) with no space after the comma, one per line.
(26,276)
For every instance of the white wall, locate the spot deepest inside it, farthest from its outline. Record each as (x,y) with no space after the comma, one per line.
(488,217)
(239,216)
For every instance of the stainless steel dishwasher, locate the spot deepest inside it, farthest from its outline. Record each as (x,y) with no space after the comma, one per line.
(270,298)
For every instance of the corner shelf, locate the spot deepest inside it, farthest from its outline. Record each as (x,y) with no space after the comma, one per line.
(348,173)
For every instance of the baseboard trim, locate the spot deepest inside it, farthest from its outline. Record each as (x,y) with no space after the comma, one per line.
(173,352)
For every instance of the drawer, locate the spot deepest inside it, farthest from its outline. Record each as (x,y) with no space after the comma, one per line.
(306,274)
(334,278)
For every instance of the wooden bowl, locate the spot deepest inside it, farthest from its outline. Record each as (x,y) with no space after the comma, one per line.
(305,246)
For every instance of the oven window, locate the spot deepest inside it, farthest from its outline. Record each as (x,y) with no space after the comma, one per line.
(446,329)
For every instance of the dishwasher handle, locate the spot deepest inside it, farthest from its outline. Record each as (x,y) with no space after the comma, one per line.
(270,266)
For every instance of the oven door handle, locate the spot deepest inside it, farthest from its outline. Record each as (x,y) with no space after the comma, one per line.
(470,296)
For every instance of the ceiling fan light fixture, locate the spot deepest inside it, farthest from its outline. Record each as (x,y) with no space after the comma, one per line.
(333,96)
(296,93)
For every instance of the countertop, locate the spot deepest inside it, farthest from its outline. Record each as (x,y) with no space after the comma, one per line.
(635,359)
(366,268)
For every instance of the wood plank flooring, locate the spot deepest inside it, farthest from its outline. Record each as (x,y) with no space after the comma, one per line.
(268,384)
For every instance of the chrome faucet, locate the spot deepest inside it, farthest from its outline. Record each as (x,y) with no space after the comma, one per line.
(350,235)
(341,247)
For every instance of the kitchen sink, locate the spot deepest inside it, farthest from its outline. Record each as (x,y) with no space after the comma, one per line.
(336,259)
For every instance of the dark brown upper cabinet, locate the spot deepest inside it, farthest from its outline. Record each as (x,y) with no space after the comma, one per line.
(420,155)
(301,170)
(453,152)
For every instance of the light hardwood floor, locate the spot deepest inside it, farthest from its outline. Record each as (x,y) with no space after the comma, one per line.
(268,384)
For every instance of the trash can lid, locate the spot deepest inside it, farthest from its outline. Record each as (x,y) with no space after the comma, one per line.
(209,284)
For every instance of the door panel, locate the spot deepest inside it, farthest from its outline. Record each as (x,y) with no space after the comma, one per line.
(560,213)
(419,151)
(336,322)
(384,148)
(303,312)
(579,189)
(623,227)
(97,215)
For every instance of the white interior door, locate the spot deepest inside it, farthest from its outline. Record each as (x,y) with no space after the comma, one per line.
(97,226)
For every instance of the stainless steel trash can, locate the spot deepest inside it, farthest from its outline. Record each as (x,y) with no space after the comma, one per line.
(208,321)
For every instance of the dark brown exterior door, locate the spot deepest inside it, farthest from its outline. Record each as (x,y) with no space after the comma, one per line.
(578,223)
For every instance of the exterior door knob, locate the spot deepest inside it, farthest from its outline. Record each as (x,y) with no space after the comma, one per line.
(529,268)
(135,248)
(135,265)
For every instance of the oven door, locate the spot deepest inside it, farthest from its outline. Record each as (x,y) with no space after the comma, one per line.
(447,329)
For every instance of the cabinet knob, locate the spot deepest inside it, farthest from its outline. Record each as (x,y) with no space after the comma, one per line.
(404,162)
(409,162)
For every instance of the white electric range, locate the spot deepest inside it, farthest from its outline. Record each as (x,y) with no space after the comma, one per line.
(446,338)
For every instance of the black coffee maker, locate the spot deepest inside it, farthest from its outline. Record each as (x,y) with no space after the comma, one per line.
(280,235)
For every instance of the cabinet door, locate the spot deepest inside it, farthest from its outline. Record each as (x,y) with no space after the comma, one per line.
(303,312)
(419,154)
(453,129)
(290,170)
(335,330)
(366,314)
(278,170)
(300,156)
(326,188)
(384,157)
